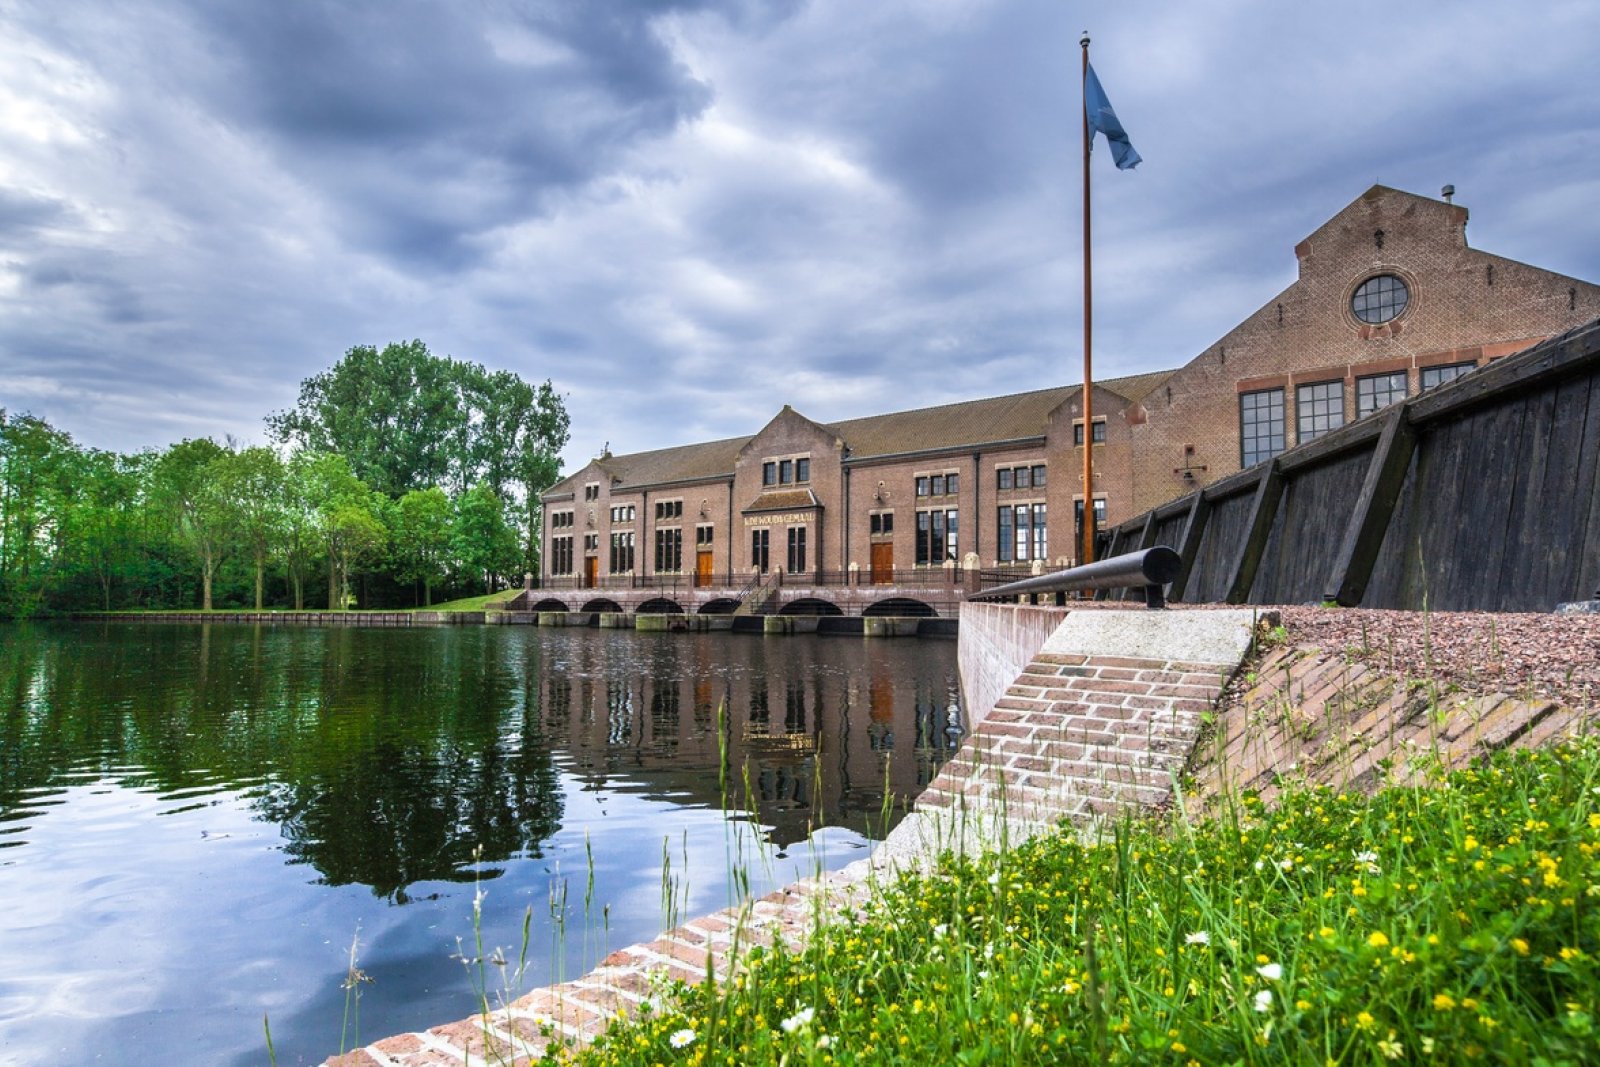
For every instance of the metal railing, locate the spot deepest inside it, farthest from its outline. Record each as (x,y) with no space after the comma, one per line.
(932,577)
(1151,568)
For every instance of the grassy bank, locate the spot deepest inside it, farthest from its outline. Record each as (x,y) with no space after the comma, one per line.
(1455,923)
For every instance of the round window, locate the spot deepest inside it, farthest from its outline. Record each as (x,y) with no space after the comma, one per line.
(1380,299)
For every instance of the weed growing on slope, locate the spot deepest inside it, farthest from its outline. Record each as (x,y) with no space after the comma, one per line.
(1458,922)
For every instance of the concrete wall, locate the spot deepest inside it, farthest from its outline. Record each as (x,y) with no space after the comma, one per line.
(997,642)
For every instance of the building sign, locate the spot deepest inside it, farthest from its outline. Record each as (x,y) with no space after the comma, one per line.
(782,518)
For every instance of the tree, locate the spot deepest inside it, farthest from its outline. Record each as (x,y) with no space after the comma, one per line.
(100,524)
(301,537)
(255,481)
(33,458)
(483,543)
(188,486)
(346,516)
(406,419)
(420,536)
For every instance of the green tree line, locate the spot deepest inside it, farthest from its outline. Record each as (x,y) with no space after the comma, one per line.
(398,475)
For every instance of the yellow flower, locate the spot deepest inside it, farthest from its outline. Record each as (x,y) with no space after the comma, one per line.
(1520,945)
(1443,1002)
(1365,1021)
(1377,939)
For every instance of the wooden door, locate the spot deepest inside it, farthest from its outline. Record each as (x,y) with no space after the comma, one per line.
(882,562)
(591,571)
(702,569)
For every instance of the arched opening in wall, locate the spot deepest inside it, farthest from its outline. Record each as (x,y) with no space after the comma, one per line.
(603,604)
(660,606)
(903,607)
(551,604)
(810,605)
(722,605)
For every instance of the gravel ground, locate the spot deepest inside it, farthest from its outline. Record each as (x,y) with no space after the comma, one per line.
(1552,656)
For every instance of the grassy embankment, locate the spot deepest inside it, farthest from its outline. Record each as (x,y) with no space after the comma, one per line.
(1454,923)
(490,602)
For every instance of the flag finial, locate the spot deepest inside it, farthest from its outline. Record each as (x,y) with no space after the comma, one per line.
(1084,40)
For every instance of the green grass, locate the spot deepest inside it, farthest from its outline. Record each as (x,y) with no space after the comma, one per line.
(475,603)
(1454,923)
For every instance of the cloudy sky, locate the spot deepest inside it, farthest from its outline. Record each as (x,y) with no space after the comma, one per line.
(687,213)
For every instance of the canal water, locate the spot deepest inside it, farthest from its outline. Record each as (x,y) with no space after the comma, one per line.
(197,821)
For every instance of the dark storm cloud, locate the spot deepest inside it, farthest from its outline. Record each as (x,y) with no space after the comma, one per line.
(428,124)
(23,214)
(689,213)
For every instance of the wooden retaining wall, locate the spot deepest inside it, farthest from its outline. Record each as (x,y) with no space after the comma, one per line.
(1482,494)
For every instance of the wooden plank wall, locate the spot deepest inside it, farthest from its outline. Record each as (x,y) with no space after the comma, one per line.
(1499,509)
(1310,524)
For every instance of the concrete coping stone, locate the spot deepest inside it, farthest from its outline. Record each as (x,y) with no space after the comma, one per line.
(1220,636)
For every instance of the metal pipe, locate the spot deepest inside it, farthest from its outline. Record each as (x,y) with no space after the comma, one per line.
(1151,568)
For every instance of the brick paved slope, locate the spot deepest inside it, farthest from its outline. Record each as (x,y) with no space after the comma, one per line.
(1322,717)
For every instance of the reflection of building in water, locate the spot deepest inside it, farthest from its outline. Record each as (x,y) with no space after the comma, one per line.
(815,746)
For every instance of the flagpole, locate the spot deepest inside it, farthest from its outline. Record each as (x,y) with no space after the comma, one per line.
(1088,329)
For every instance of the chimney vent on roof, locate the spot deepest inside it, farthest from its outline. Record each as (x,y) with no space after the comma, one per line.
(1447,192)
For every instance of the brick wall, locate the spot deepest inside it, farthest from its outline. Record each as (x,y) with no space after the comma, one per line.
(1464,305)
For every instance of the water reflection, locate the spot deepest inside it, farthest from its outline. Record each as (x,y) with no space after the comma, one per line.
(281,787)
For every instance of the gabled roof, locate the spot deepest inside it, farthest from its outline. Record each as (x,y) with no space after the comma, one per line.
(974,422)
(961,425)
(697,462)
(784,500)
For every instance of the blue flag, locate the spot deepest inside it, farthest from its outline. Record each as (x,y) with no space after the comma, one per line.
(1103,120)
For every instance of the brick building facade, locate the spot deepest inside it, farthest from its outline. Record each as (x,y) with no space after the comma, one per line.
(1389,300)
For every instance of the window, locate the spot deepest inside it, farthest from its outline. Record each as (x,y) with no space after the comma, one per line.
(797,549)
(802,470)
(760,541)
(591,491)
(1099,432)
(669,509)
(1077,517)
(1038,476)
(591,542)
(1005,477)
(923,486)
(769,473)
(1020,523)
(1260,426)
(882,524)
(936,535)
(936,485)
(1380,299)
(625,512)
(1024,533)
(1379,391)
(669,550)
(1318,408)
(1432,377)
(1022,477)
(621,552)
(703,536)
(785,471)
(560,520)
(951,484)
(561,555)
